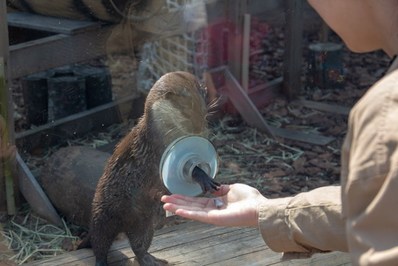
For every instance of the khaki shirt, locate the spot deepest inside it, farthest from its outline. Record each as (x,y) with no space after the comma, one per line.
(361,215)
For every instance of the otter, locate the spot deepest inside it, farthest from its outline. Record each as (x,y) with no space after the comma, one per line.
(127,196)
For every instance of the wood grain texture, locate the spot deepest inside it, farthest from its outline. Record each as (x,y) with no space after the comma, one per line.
(194,243)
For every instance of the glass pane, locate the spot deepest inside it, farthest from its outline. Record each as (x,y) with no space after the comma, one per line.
(75,79)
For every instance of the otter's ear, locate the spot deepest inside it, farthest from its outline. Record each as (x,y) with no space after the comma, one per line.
(177,92)
(171,96)
(167,94)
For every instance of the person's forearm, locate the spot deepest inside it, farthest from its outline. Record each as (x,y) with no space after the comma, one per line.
(307,222)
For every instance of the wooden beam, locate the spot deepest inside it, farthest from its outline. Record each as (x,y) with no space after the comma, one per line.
(300,136)
(51,24)
(34,194)
(7,177)
(80,124)
(57,50)
(253,117)
(246,52)
(330,108)
(293,48)
(235,11)
(263,94)
(244,105)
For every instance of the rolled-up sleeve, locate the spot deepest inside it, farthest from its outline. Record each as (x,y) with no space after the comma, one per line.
(307,222)
(370,176)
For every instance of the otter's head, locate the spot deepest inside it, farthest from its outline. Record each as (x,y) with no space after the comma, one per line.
(176,106)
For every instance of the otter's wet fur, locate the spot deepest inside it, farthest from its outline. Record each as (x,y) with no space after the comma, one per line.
(127,197)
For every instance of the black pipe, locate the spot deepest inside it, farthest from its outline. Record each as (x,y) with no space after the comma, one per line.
(204,180)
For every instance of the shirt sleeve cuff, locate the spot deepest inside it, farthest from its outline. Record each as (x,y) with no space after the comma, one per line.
(274,227)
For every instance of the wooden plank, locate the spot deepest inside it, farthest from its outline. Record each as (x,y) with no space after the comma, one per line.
(164,239)
(193,243)
(263,94)
(330,108)
(7,184)
(244,105)
(50,24)
(300,136)
(35,195)
(5,181)
(253,117)
(221,248)
(235,11)
(58,50)
(79,124)
(320,259)
(293,48)
(3,86)
(8,179)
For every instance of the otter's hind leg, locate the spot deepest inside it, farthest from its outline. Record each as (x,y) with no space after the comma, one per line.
(140,240)
(103,231)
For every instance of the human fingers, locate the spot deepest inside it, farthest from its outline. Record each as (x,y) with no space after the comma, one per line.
(224,189)
(174,207)
(185,200)
(171,207)
(205,216)
(219,217)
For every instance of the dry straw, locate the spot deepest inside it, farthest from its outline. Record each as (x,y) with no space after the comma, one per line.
(32,238)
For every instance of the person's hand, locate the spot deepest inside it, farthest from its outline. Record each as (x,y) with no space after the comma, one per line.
(235,205)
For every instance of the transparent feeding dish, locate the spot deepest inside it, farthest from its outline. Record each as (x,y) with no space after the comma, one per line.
(179,160)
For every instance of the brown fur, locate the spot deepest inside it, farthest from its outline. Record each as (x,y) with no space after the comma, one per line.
(127,196)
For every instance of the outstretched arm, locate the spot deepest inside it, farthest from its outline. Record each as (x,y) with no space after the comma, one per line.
(307,222)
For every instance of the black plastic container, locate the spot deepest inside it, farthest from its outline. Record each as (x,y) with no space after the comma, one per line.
(66,96)
(98,85)
(35,96)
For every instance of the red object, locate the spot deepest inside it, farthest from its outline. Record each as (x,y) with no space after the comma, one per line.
(218,34)
(218,45)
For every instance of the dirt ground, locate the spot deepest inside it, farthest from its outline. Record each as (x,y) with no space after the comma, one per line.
(287,167)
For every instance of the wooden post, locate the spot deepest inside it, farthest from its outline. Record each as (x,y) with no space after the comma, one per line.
(246,52)
(293,48)
(8,179)
(236,9)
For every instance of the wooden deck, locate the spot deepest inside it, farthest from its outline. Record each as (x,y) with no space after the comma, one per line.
(193,243)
